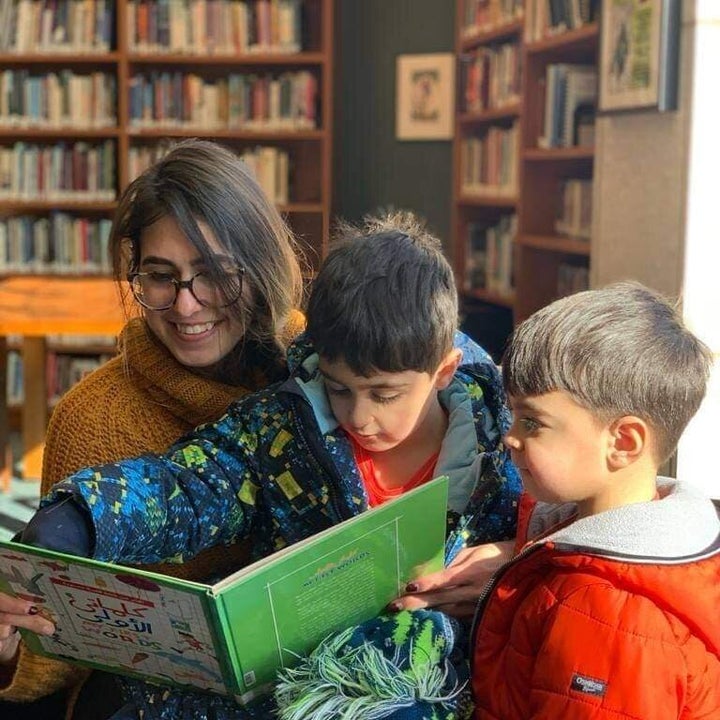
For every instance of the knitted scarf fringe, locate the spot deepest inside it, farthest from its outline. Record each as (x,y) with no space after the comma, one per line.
(360,684)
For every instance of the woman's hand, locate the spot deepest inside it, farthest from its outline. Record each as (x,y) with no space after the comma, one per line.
(14,614)
(455,590)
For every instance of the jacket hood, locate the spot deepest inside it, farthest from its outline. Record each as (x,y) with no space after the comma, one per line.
(666,550)
(681,525)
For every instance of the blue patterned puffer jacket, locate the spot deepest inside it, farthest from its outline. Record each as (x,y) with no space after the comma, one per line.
(277,468)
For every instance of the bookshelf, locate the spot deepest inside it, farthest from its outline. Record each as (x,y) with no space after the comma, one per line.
(485,192)
(520,246)
(35,311)
(92,91)
(553,259)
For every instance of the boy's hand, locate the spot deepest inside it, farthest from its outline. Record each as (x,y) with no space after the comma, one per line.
(14,614)
(455,590)
(62,526)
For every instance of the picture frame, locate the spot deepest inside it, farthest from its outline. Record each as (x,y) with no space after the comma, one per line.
(639,54)
(425,97)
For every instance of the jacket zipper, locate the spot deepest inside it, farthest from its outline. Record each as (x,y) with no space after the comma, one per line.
(487,591)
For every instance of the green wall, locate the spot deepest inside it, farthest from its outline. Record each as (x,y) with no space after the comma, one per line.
(371,168)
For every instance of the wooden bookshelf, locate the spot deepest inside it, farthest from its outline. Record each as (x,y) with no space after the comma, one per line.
(542,252)
(538,252)
(485,201)
(125,54)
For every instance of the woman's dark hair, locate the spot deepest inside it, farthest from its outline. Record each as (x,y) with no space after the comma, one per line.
(201,181)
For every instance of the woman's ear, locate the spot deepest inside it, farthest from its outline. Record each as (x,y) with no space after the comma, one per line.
(447,368)
(629,441)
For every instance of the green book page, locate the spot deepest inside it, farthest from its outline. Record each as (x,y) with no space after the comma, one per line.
(284,606)
(117,618)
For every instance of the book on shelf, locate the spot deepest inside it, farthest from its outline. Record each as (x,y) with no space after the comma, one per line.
(230,637)
(544,18)
(15,388)
(63,371)
(270,165)
(490,78)
(484,15)
(574,216)
(567,87)
(489,162)
(489,258)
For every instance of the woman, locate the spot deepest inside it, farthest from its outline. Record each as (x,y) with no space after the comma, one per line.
(212,266)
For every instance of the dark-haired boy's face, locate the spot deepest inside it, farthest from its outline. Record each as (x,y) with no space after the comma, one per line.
(385,409)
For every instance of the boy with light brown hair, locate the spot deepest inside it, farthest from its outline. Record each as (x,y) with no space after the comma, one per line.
(610,609)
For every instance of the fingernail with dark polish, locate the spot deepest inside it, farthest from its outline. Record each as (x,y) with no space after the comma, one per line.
(411,587)
(33,610)
(394,607)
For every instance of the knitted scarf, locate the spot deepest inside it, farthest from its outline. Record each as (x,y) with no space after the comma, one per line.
(393,667)
(182,392)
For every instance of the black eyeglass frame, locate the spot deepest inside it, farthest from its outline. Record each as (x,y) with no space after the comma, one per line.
(187,284)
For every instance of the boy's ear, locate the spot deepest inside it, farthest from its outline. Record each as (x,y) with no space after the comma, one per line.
(629,440)
(447,368)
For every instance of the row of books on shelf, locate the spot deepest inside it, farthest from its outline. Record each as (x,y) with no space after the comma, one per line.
(483,15)
(36,26)
(82,170)
(57,243)
(550,17)
(57,99)
(62,371)
(62,170)
(490,255)
(574,217)
(489,162)
(269,164)
(285,101)
(271,167)
(204,27)
(570,100)
(490,77)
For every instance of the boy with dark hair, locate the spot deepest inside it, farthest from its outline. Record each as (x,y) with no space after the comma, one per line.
(384,394)
(611,607)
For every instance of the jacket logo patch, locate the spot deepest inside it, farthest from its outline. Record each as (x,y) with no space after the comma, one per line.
(588,685)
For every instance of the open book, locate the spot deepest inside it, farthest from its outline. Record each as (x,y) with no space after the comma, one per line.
(230,637)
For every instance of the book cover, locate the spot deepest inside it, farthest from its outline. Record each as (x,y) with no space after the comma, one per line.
(229,637)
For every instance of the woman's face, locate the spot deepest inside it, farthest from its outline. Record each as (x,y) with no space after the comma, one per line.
(196,336)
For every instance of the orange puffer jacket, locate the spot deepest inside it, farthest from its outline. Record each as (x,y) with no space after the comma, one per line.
(614,617)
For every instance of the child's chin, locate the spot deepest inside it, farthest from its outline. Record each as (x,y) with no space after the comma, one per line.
(374,444)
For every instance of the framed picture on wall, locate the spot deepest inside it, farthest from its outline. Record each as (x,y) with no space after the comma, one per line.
(425,96)
(639,51)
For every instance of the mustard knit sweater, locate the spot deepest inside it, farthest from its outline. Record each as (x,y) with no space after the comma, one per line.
(140,401)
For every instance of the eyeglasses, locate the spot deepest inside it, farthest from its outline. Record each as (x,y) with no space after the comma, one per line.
(159,291)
